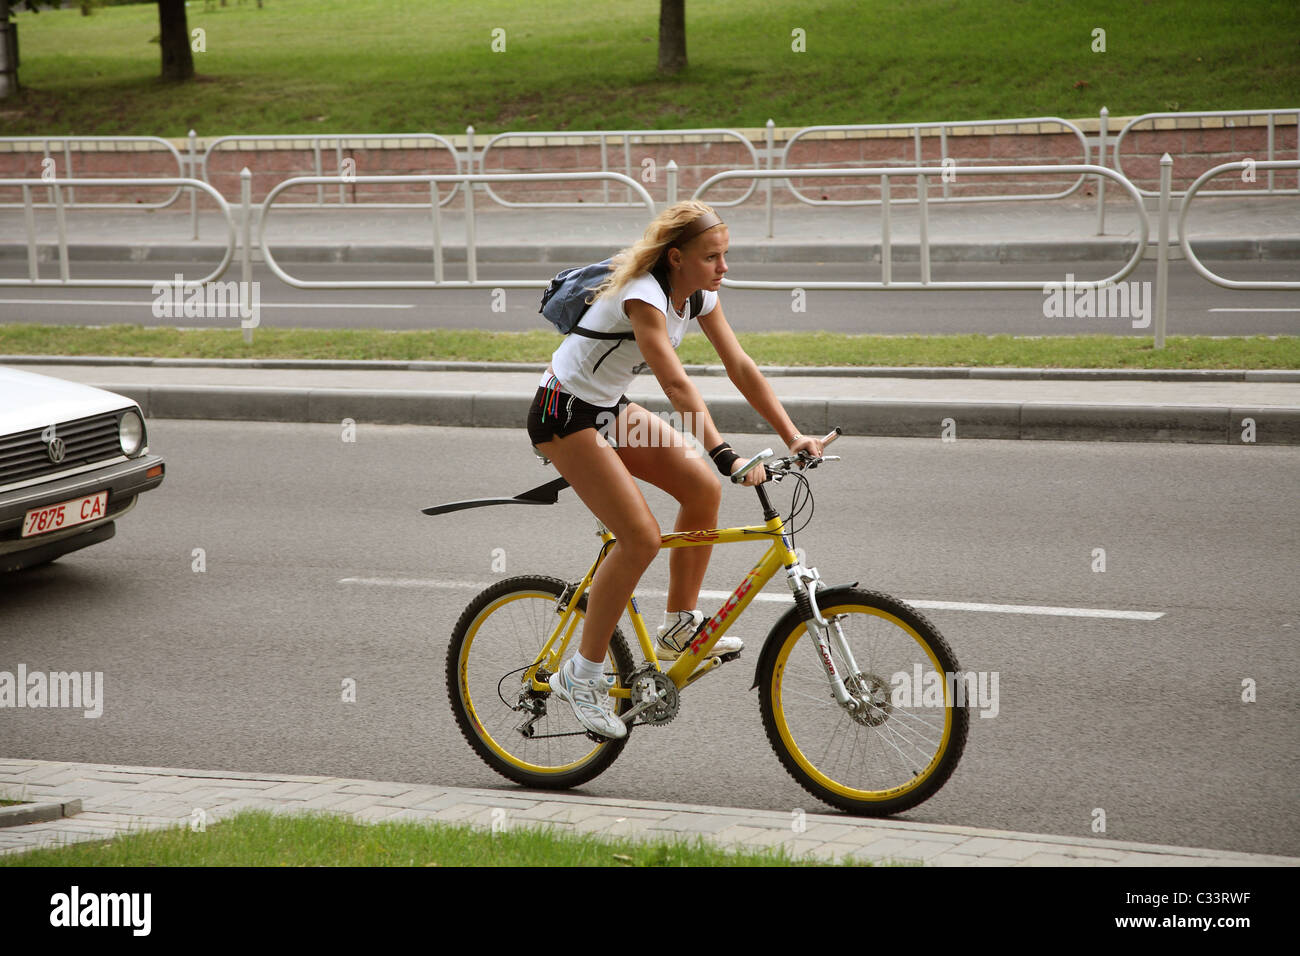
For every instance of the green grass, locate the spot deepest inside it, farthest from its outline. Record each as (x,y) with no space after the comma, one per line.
(411,65)
(11,803)
(260,838)
(767,348)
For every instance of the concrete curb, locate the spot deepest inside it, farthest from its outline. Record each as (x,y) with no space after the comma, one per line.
(1078,250)
(125,799)
(880,371)
(1207,424)
(26,813)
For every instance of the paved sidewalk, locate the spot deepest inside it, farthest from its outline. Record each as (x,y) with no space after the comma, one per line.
(1083,406)
(118,799)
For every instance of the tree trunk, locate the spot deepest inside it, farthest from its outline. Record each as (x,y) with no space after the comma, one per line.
(174,38)
(672,36)
(8,53)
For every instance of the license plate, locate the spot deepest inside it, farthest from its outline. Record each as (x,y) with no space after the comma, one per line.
(65,514)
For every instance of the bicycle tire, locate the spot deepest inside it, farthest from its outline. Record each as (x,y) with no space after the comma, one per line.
(897,756)
(498,635)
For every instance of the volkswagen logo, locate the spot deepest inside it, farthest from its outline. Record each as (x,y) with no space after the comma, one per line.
(56,450)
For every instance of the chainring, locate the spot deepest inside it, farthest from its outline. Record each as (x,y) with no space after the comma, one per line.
(649,680)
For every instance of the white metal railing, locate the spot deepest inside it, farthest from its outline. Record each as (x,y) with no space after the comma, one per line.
(923,174)
(315,141)
(943,128)
(1226,114)
(1194,189)
(944,159)
(626,138)
(68,171)
(432,181)
(60,206)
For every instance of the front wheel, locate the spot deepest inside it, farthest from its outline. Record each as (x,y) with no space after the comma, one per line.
(524,734)
(900,743)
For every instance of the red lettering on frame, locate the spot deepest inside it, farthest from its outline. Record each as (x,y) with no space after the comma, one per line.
(724,612)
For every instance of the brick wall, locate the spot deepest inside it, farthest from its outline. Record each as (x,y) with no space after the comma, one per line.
(1196,150)
(1195,144)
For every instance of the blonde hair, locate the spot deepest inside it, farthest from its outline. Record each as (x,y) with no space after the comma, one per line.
(647,252)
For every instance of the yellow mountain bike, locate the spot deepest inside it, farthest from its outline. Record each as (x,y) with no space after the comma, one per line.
(835,676)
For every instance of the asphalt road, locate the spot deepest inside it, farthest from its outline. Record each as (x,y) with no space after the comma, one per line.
(317,567)
(1196,306)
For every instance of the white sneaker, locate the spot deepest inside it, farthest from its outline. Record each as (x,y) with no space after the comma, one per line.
(674,639)
(590,701)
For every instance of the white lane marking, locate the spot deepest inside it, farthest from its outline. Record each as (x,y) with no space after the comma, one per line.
(263,305)
(777,598)
(1038,609)
(1282,309)
(418,583)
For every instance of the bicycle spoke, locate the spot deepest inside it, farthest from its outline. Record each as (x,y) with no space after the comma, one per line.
(854,758)
(828,700)
(502,643)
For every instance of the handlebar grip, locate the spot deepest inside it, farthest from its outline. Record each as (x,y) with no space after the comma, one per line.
(738,475)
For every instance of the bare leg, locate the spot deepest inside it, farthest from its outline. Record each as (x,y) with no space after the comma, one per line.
(603,483)
(656,452)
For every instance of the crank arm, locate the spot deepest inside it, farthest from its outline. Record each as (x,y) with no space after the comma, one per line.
(628,714)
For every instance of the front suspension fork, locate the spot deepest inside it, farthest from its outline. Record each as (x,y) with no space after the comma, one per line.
(828,636)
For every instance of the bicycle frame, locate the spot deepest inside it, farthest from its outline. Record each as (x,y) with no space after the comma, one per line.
(695,662)
(687,668)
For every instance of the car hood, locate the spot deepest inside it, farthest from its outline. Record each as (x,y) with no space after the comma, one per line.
(28,400)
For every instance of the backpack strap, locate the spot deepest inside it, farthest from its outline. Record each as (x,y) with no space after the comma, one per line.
(589,334)
(660,276)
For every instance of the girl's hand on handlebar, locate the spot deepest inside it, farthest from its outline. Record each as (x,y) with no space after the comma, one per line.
(755,477)
(806,443)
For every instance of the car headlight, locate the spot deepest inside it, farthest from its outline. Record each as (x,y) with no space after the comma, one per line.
(130,432)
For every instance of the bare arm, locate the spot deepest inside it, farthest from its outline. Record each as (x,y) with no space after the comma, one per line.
(744,374)
(651,330)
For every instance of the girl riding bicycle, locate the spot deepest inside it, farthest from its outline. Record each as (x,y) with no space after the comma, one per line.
(580,403)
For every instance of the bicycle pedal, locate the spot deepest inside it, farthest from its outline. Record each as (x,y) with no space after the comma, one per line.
(734,655)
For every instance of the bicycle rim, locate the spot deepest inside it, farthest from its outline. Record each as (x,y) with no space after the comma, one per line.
(501,639)
(903,747)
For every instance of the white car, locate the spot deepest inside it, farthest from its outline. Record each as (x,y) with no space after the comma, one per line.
(73,459)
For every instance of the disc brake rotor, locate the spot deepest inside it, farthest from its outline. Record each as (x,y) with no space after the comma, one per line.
(873,695)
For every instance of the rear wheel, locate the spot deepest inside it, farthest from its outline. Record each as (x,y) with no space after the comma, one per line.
(526,735)
(896,748)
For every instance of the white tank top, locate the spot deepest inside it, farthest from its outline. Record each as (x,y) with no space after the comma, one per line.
(599,371)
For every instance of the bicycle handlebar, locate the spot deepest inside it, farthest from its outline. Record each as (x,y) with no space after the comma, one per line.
(802,460)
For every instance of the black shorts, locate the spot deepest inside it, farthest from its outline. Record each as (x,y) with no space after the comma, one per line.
(570,414)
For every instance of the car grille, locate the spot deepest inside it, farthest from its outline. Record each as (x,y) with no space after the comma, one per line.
(24,455)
